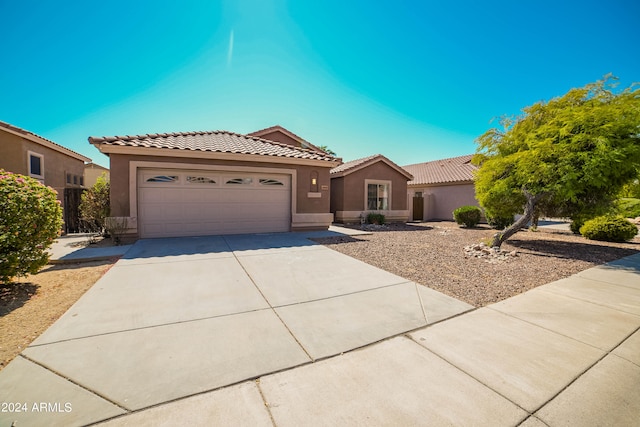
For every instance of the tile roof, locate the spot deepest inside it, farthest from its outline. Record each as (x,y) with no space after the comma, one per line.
(353,165)
(213,141)
(40,139)
(445,171)
(277,128)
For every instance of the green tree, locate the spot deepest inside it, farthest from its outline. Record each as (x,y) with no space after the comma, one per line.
(95,205)
(571,155)
(327,150)
(30,219)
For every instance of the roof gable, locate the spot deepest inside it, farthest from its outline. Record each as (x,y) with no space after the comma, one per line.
(212,142)
(42,141)
(358,164)
(278,133)
(444,171)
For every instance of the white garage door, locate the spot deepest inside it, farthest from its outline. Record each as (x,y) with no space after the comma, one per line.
(176,202)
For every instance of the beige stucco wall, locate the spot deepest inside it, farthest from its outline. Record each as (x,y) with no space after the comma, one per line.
(308,201)
(440,201)
(14,157)
(348,193)
(92,172)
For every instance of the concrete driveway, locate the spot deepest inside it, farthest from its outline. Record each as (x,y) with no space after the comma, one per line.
(182,316)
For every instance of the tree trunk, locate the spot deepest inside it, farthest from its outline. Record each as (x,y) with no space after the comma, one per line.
(529,209)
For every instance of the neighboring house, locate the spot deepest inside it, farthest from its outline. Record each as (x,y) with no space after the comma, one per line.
(370,184)
(92,172)
(279,134)
(219,182)
(52,164)
(439,187)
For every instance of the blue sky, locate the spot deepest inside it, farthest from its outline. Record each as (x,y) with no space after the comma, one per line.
(414,80)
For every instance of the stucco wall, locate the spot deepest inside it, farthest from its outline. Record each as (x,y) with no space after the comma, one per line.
(441,201)
(14,152)
(352,195)
(278,136)
(316,203)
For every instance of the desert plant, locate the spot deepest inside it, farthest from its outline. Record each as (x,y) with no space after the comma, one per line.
(467,215)
(116,227)
(95,207)
(375,218)
(30,219)
(609,229)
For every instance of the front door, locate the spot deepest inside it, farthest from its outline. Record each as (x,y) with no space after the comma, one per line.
(418,207)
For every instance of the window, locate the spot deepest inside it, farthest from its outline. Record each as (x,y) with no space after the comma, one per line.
(240,181)
(163,178)
(75,179)
(82,180)
(36,165)
(68,178)
(200,180)
(269,181)
(378,196)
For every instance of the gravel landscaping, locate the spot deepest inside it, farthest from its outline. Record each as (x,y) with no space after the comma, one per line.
(433,254)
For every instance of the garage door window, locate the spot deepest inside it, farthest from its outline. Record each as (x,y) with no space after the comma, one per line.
(240,181)
(269,181)
(200,180)
(163,178)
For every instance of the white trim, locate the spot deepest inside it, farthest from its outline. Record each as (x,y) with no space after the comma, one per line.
(135,165)
(366,192)
(259,158)
(41,157)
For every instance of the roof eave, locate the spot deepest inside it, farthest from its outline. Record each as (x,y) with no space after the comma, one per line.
(46,143)
(213,155)
(378,158)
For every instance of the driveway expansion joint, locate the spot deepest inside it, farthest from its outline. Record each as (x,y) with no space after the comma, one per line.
(77,384)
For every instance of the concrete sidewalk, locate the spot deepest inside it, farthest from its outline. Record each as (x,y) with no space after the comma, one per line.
(72,248)
(566,353)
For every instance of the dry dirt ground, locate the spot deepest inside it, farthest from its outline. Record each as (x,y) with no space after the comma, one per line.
(33,303)
(432,254)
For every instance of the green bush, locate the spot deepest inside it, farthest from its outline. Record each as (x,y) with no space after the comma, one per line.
(609,229)
(500,222)
(30,219)
(577,223)
(375,218)
(628,207)
(94,206)
(467,215)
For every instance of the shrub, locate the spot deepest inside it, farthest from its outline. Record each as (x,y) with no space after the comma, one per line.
(467,215)
(577,223)
(499,222)
(95,207)
(609,229)
(628,207)
(30,219)
(375,218)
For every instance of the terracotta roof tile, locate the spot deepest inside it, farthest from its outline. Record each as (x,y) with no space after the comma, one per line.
(445,171)
(213,141)
(352,164)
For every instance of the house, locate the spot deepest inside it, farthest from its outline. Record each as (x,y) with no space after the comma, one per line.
(52,164)
(92,172)
(217,182)
(370,184)
(439,187)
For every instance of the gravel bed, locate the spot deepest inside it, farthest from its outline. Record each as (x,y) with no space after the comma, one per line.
(433,255)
